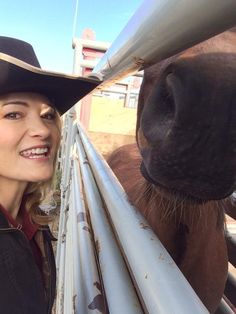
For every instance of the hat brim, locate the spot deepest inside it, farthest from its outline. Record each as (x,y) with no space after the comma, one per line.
(64,90)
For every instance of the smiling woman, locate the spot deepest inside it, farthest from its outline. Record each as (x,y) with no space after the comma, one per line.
(29,140)
(30,133)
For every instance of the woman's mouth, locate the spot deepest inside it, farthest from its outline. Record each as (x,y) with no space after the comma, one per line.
(36,153)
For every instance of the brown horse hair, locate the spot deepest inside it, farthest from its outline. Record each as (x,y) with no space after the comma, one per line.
(175,208)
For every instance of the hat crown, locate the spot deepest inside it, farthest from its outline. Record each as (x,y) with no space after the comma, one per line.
(18,49)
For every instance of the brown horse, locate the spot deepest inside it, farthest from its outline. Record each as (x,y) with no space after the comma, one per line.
(186,136)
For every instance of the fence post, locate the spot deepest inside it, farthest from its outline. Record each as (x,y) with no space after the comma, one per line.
(68,138)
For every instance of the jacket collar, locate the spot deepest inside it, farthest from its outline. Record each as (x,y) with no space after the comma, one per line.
(3,221)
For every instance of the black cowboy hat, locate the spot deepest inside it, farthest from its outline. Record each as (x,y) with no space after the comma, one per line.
(20,71)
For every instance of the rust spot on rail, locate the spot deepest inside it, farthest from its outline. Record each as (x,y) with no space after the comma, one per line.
(98,285)
(98,248)
(139,62)
(81,217)
(143,225)
(98,304)
(86,229)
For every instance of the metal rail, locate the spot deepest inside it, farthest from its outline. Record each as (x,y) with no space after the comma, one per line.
(119,290)
(160,29)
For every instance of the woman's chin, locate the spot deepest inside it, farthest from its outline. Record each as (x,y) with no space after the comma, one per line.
(41,178)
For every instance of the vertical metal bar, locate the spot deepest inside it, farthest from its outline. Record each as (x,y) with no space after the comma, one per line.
(66,151)
(78,56)
(69,263)
(91,287)
(75,300)
(65,194)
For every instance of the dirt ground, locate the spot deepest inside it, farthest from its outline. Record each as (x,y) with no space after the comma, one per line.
(110,116)
(105,143)
(111,124)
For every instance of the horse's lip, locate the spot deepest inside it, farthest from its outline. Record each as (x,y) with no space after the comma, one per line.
(170,192)
(146,175)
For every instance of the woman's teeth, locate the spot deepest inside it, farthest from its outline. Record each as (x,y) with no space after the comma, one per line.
(35,152)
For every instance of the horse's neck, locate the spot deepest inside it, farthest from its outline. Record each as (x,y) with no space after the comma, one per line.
(187,230)
(193,235)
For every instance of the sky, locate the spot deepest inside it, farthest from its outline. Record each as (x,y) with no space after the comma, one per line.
(49,25)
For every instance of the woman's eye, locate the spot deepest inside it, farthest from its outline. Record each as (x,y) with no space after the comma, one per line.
(49,116)
(13,115)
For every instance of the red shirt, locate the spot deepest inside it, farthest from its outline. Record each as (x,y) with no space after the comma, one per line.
(28,228)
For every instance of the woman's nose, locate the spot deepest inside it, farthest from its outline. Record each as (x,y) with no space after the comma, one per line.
(38,128)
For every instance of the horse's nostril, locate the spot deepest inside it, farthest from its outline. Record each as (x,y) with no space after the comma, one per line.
(159,111)
(169,105)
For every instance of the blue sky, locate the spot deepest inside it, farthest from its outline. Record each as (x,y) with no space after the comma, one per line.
(48,25)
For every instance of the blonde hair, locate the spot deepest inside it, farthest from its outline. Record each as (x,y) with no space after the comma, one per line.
(36,192)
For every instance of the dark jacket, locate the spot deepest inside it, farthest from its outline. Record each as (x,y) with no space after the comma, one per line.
(23,289)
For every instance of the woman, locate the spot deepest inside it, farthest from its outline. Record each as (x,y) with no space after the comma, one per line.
(30,102)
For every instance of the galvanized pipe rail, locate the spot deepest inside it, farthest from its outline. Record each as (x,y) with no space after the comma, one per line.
(160,29)
(66,160)
(120,293)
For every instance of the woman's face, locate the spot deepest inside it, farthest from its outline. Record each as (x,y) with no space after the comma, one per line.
(29,137)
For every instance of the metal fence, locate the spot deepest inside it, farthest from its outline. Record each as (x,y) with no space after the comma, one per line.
(101,237)
(108,259)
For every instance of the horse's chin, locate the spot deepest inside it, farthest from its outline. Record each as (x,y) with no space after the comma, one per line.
(177,194)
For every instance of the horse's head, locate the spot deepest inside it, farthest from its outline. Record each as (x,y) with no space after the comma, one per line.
(186,127)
